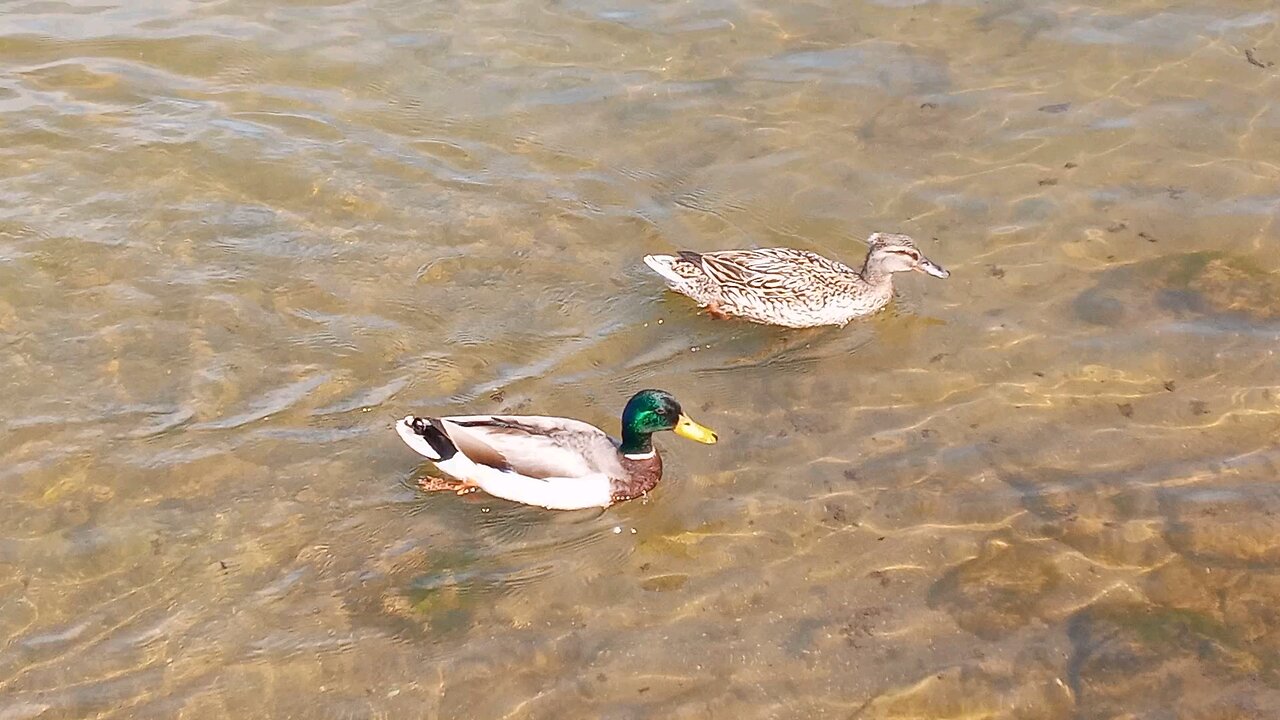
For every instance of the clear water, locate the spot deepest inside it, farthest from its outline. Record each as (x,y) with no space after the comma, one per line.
(238,239)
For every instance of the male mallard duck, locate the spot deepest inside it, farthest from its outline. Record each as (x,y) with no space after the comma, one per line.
(793,288)
(552,462)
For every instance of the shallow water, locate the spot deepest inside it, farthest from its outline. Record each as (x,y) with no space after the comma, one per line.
(240,238)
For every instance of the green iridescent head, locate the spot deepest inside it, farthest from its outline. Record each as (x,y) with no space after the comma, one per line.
(651,411)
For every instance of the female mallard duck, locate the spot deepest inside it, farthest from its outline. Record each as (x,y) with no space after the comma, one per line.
(552,462)
(793,288)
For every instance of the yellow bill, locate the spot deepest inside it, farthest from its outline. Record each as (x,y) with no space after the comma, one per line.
(692,430)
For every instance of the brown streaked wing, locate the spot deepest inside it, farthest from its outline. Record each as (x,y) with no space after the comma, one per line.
(770,269)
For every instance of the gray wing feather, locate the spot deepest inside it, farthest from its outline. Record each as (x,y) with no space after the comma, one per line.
(535,446)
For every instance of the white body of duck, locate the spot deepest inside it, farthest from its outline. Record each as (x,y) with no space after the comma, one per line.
(551,462)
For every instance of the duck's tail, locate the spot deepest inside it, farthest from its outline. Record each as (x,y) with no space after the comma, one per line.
(664,266)
(427,438)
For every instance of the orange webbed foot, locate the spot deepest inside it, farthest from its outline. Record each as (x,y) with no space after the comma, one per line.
(713,310)
(433,484)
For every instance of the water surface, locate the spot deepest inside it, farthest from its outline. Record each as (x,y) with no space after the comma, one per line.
(239,238)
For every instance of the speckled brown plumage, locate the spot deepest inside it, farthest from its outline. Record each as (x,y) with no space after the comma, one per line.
(789,287)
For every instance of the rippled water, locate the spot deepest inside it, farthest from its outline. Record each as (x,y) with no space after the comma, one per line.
(239,238)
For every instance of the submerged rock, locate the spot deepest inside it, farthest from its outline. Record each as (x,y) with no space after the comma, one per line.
(1129,659)
(1209,283)
(1003,588)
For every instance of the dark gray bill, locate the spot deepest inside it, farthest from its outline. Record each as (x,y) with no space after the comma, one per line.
(928,266)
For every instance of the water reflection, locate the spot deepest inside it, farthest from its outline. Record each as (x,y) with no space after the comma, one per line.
(240,239)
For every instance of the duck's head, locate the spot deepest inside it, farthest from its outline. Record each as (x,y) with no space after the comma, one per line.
(893,253)
(651,411)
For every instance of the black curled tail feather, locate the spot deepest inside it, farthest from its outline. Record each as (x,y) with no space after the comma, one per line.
(432,430)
